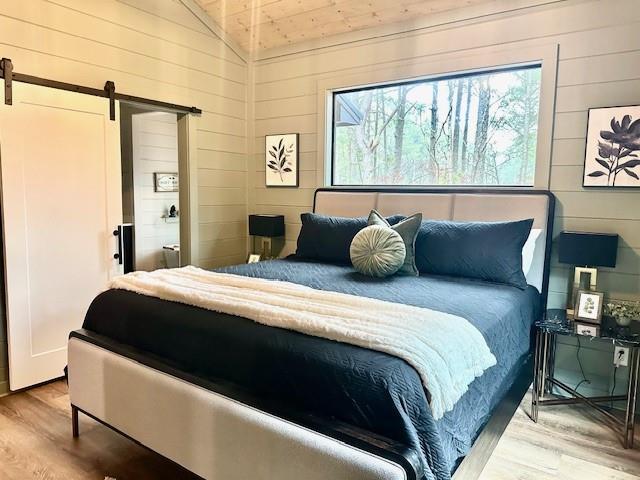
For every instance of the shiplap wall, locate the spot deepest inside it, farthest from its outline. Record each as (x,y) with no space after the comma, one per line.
(596,69)
(156,49)
(599,66)
(155,149)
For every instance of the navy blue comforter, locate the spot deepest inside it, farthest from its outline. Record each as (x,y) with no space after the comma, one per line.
(364,388)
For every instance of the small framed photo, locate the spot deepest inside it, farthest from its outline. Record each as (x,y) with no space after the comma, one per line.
(586,329)
(589,306)
(253,258)
(613,148)
(165,182)
(281,160)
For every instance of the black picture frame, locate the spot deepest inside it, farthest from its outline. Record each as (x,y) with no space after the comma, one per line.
(600,121)
(282,154)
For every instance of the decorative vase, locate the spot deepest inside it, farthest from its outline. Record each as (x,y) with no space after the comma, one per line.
(623,321)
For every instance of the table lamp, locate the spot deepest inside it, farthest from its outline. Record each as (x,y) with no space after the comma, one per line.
(267,227)
(586,251)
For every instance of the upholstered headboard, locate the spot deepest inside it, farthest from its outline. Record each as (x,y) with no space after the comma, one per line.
(454,204)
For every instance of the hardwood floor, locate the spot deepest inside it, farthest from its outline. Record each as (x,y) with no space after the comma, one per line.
(36,443)
(568,443)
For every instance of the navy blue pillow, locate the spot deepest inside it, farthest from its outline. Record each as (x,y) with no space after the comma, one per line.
(489,251)
(328,238)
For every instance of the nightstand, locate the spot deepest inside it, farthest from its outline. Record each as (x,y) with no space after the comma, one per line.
(547,331)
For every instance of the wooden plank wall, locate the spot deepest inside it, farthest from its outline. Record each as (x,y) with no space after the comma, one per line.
(155,149)
(599,65)
(156,49)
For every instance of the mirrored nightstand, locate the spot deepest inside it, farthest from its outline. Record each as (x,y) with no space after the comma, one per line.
(547,332)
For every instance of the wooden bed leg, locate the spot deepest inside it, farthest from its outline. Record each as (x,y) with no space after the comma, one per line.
(75,428)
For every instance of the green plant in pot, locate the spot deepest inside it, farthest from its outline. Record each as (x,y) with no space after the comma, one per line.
(623,312)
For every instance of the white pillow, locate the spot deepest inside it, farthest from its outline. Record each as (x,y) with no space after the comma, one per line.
(528,249)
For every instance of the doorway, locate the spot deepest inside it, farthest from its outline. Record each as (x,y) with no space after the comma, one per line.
(61,201)
(150,155)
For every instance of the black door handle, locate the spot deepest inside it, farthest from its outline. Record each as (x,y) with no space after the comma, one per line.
(117,233)
(124,255)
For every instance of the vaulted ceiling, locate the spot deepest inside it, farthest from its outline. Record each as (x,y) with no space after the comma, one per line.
(262,24)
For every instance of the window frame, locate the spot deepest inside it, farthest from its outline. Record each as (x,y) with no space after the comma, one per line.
(446,66)
(436,78)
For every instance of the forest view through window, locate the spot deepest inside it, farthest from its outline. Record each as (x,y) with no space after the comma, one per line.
(477,129)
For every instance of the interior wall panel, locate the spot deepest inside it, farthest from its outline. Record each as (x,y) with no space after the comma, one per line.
(596,69)
(156,49)
(593,71)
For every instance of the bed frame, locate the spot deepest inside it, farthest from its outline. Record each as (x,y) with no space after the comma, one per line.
(220,435)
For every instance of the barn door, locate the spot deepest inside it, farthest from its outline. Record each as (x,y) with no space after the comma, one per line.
(61,201)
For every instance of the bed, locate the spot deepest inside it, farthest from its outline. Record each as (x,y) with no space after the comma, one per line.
(231,398)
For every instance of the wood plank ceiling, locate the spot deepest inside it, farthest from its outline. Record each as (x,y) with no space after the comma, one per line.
(262,24)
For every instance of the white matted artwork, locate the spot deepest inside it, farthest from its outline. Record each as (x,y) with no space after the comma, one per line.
(612,155)
(589,306)
(253,258)
(281,160)
(165,182)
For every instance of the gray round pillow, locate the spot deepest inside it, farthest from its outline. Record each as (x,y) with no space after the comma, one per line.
(377,251)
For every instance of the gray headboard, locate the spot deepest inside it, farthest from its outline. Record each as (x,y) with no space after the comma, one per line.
(454,204)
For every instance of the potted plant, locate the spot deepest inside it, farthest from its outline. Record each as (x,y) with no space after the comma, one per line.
(623,312)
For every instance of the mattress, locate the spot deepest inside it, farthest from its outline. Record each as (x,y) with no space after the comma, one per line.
(292,372)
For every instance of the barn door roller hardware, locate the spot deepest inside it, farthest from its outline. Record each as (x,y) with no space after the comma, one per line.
(7,73)
(109,91)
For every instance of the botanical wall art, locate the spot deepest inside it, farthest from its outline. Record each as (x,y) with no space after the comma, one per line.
(281,160)
(589,306)
(612,157)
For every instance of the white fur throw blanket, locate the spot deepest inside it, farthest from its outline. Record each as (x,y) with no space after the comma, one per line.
(446,350)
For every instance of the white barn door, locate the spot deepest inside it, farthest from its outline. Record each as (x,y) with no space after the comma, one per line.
(61,201)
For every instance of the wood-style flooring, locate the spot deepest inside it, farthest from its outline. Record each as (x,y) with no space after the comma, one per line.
(36,443)
(568,443)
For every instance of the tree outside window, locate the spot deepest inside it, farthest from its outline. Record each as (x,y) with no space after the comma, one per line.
(478,129)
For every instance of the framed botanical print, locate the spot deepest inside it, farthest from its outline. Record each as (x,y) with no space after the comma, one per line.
(589,306)
(612,155)
(281,160)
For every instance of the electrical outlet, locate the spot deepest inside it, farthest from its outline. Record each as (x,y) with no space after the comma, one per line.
(621,356)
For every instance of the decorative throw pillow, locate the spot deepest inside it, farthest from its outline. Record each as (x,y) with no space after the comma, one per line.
(377,251)
(489,251)
(327,238)
(408,230)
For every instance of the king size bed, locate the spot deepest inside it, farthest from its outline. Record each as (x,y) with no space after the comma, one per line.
(233,396)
